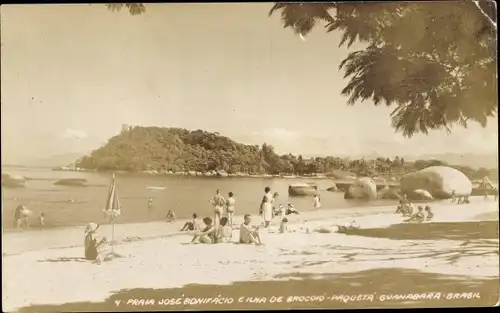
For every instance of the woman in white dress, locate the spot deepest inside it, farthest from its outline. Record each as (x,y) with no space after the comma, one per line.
(267,207)
(316,201)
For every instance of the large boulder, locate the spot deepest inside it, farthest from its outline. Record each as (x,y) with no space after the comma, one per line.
(302,190)
(420,194)
(363,188)
(388,193)
(439,181)
(13,181)
(333,188)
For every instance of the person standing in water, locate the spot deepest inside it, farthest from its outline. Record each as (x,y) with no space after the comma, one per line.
(316,201)
(218,202)
(230,208)
(150,204)
(17,216)
(41,220)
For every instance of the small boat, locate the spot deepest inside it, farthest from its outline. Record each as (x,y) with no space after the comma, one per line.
(302,190)
(155,188)
(81,182)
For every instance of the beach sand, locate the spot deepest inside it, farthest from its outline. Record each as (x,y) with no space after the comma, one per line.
(46,267)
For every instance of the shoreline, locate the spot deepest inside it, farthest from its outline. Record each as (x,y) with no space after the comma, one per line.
(19,241)
(166,262)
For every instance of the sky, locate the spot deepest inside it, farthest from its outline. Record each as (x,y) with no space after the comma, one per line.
(71,75)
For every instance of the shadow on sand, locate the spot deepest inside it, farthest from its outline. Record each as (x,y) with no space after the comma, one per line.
(374,282)
(433,231)
(107,257)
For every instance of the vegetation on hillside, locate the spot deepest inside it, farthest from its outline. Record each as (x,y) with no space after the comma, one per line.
(138,149)
(433,62)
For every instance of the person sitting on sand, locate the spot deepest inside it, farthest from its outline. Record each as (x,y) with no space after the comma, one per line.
(409,208)
(405,199)
(282,210)
(291,210)
(170,216)
(92,244)
(348,226)
(400,207)
(191,225)
(466,200)
(284,226)
(430,215)
(207,235)
(225,231)
(418,217)
(249,234)
(460,200)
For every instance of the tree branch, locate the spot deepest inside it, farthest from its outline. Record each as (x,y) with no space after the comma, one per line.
(486,15)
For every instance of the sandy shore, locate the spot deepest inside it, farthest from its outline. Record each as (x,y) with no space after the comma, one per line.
(46,267)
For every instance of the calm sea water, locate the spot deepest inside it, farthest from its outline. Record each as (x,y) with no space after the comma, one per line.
(184,195)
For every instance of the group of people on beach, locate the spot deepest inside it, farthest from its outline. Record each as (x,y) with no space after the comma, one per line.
(219,229)
(407,209)
(21,217)
(460,200)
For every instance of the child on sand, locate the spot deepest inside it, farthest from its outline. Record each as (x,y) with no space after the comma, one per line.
(282,210)
(170,216)
(207,235)
(284,226)
(291,210)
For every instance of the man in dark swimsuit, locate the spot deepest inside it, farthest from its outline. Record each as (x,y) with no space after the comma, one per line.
(17,216)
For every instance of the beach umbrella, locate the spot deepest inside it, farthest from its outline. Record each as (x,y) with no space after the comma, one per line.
(112,209)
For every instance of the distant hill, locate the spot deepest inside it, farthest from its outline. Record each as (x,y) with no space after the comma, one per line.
(468,159)
(53,161)
(139,148)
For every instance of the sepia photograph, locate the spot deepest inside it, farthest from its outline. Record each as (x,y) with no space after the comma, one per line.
(249,156)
